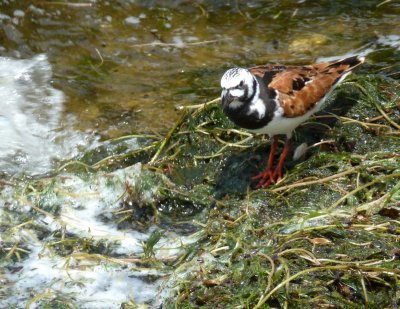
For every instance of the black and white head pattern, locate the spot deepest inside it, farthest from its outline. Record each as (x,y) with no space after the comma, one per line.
(238,86)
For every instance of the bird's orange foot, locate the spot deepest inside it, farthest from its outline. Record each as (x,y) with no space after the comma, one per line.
(268,177)
(265,178)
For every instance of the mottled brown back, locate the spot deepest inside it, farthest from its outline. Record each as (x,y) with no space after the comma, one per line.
(302,87)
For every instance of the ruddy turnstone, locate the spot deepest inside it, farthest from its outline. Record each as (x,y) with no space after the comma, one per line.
(275,99)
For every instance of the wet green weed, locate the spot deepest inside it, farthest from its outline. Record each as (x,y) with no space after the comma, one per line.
(326,236)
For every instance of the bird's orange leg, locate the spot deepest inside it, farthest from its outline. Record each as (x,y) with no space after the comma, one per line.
(277,175)
(267,176)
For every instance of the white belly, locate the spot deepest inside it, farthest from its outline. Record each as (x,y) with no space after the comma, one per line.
(283,125)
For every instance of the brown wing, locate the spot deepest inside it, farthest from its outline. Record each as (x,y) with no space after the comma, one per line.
(302,87)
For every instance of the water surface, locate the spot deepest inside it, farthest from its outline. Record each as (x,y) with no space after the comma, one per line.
(125,65)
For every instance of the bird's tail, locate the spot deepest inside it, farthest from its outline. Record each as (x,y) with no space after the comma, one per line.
(349,63)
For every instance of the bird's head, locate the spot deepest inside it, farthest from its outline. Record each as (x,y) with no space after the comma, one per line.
(238,86)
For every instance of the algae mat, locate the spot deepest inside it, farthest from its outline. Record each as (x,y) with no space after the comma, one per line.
(178,220)
(327,236)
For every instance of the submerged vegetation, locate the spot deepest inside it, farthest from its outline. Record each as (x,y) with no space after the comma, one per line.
(327,236)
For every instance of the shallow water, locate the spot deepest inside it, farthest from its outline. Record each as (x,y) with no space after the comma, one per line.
(34,131)
(124,65)
(73,74)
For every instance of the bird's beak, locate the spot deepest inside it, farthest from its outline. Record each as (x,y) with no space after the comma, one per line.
(226,98)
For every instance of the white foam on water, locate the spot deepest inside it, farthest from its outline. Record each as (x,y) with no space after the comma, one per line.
(32,137)
(95,199)
(87,204)
(94,284)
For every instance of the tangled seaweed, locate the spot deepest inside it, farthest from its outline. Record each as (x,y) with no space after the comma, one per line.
(327,236)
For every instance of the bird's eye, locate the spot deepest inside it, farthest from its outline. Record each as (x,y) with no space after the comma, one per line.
(241,84)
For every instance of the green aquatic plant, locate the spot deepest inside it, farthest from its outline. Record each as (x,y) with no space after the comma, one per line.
(326,236)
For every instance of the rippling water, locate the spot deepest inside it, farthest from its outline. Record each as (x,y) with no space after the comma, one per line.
(33,130)
(123,66)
